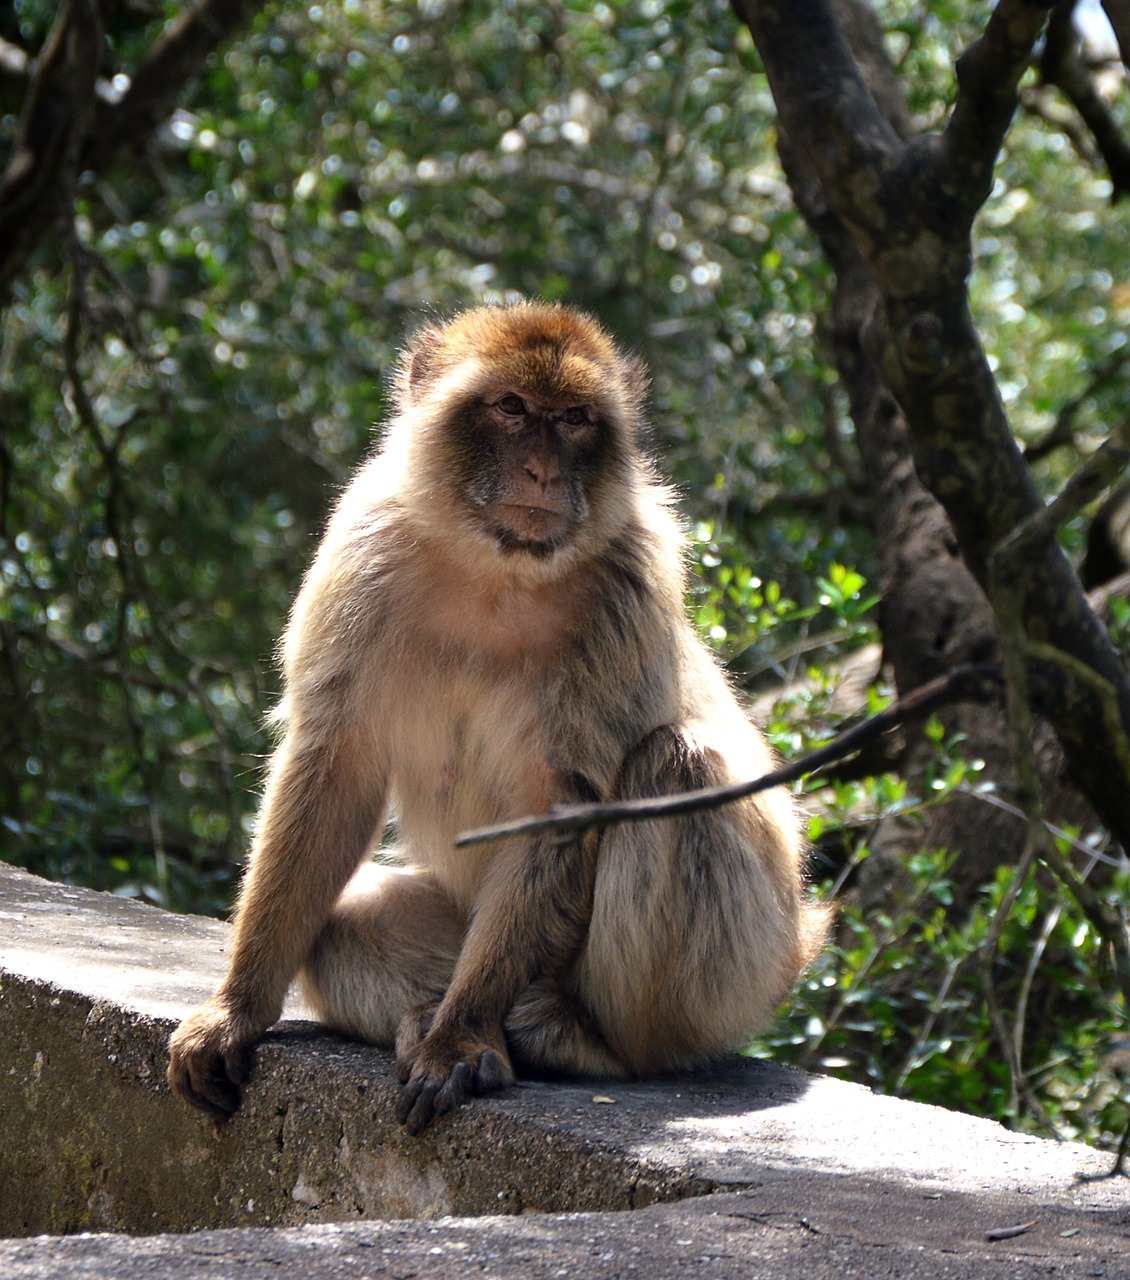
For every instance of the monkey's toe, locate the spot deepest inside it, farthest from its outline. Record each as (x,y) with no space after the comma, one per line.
(426,1096)
(416,1108)
(456,1089)
(237,1064)
(493,1072)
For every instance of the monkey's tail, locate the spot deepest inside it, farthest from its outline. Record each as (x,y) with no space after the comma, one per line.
(815,920)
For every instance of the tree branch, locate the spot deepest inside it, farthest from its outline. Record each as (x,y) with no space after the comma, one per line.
(57,109)
(1062,67)
(1118,15)
(1062,430)
(63,125)
(822,96)
(974,681)
(988,74)
(160,80)
(1101,469)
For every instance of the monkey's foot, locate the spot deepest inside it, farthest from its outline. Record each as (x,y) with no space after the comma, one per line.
(446,1069)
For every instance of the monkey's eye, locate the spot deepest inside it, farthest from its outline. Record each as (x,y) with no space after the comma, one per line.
(515,406)
(575,416)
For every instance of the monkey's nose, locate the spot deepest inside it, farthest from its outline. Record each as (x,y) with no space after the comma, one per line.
(544,472)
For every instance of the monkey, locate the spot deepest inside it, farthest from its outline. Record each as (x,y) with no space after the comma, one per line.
(495,622)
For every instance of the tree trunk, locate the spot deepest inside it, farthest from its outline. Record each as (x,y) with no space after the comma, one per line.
(934,614)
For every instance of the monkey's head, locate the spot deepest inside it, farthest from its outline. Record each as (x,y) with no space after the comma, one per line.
(523,423)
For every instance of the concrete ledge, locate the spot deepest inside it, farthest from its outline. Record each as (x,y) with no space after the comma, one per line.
(749,1161)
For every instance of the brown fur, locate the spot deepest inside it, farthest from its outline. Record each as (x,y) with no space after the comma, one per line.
(494,623)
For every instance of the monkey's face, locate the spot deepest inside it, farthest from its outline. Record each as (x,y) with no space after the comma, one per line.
(523,422)
(526,461)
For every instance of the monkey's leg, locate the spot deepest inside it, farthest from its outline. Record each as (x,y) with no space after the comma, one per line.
(387,951)
(529,921)
(693,938)
(549,1031)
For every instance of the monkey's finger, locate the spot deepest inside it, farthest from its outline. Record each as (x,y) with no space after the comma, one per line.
(455,1091)
(220,1098)
(492,1072)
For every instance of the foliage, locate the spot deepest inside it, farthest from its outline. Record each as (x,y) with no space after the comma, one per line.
(903,997)
(191,373)
(900,1001)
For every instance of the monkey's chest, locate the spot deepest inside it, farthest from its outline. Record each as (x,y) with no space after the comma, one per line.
(464,753)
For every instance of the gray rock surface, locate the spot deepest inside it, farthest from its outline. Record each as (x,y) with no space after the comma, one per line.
(750,1168)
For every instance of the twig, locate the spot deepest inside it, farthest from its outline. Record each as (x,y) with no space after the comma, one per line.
(1009,1233)
(1024,994)
(1007,586)
(1065,837)
(821,94)
(1119,1167)
(1007,1040)
(173,59)
(1063,429)
(891,927)
(977,681)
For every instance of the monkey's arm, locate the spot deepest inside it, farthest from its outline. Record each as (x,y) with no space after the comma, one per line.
(528,923)
(322,805)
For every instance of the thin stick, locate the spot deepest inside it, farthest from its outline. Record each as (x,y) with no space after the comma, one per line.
(971,681)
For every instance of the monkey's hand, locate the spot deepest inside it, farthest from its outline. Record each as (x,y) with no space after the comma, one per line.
(210,1057)
(447,1067)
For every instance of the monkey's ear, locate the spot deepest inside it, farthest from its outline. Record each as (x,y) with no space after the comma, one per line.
(418,367)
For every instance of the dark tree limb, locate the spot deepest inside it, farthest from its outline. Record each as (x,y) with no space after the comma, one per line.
(988,77)
(1084,485)
(160,80)
(1118,15)
(908,211)
(822,96)
(65,128)
(1062,117)
(53,124)
(1062,67)
(933,614)
(977,681)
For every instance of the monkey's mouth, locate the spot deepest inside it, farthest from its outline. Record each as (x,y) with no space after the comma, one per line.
(531,527)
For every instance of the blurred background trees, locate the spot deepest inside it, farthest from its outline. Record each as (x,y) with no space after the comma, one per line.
(215,229)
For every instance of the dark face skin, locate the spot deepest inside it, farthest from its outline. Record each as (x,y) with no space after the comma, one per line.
(533,461)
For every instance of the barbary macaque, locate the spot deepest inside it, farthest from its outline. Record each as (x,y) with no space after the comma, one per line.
(495,623)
